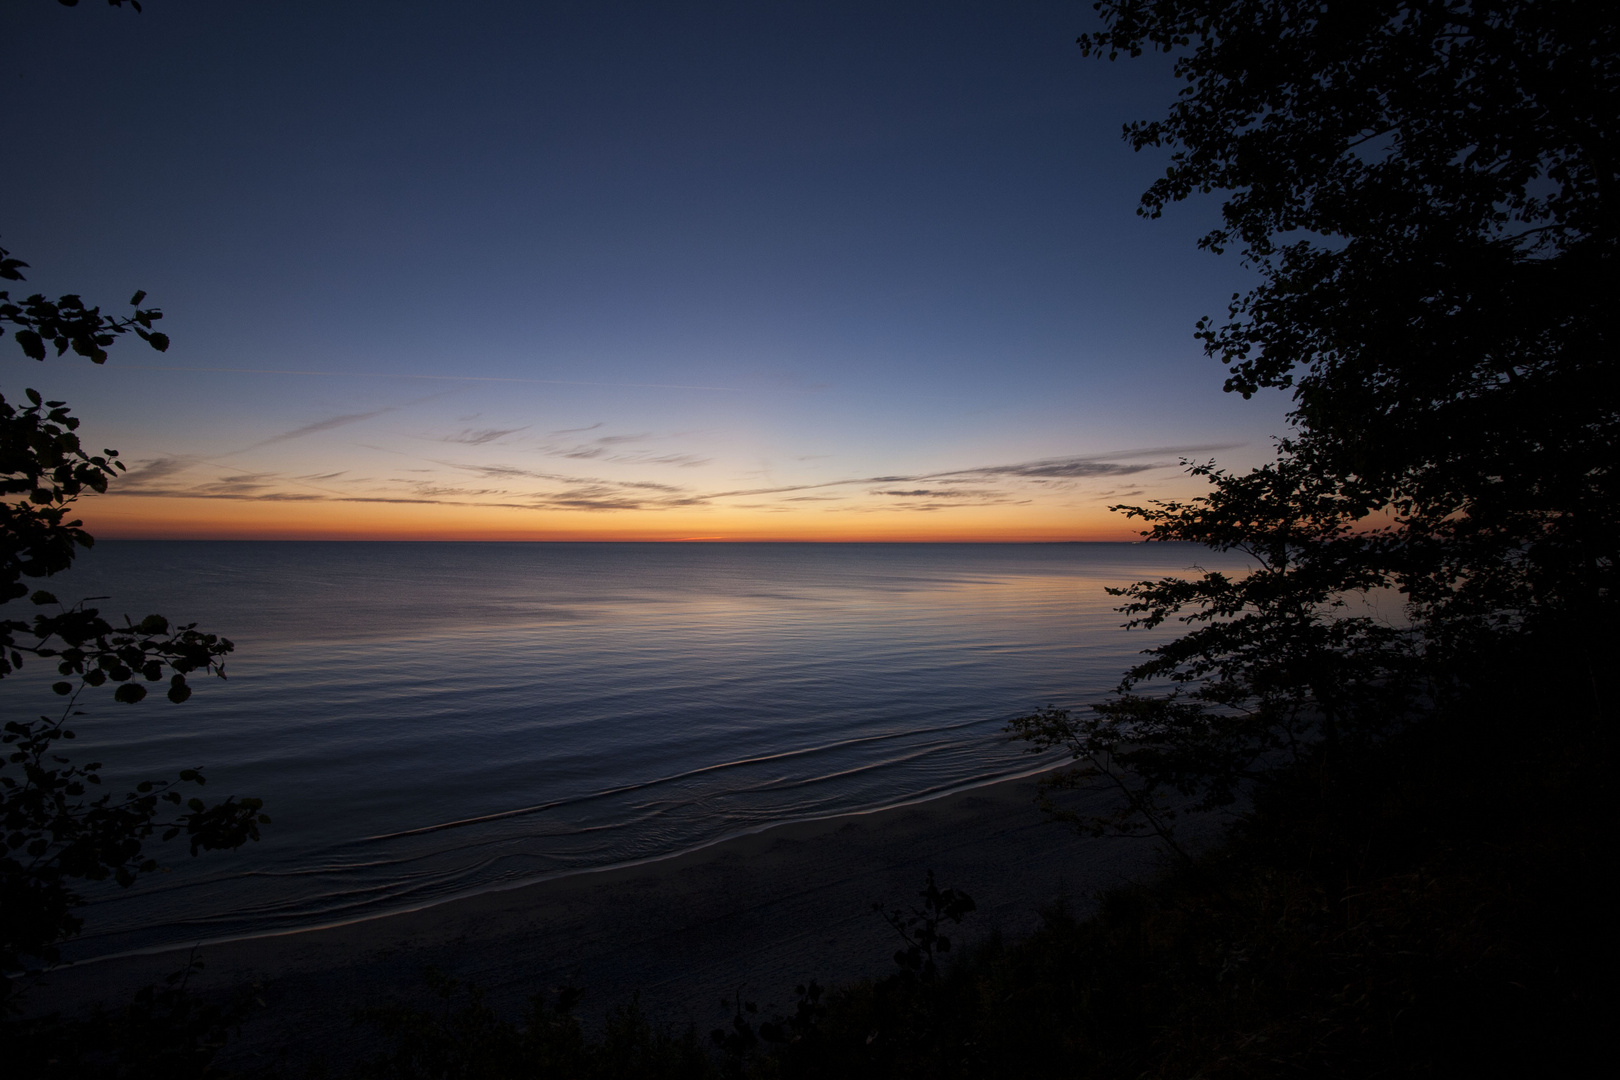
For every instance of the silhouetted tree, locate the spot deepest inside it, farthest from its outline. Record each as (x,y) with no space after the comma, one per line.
(55,832)
(1427,191)
(1279,663)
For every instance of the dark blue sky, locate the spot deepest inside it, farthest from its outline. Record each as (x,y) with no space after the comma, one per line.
(892,241)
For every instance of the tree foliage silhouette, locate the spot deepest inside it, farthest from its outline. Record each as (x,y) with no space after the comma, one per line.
(56,833)
(1426,189)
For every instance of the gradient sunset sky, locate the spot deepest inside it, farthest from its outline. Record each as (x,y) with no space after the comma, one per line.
(525,270)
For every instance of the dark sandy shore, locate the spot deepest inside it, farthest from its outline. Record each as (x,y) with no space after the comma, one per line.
(756,913)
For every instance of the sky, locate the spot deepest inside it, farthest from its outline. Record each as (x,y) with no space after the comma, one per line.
(602,271)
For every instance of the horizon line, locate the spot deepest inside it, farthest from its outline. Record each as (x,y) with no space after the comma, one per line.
(508,540)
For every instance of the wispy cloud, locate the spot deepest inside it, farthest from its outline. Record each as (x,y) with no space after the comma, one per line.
(685,461)
(1160,451)
(1059,467)
(480,436)
(606,449)
(523,487)
(1077,467)
(149,473)
(494,471)
(329,424)
(930,493)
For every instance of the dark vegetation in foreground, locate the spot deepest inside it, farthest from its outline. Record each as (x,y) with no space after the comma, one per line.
(1432,912)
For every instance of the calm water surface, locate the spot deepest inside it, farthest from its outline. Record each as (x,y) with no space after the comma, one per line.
(428,720)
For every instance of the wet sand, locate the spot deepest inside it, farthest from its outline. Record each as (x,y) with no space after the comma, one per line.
(755,913)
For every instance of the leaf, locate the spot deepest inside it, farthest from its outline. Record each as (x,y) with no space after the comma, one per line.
(158,341)
(62,688)
(129,693)
(32,345)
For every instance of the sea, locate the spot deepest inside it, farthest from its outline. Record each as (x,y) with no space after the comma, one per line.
(426,721)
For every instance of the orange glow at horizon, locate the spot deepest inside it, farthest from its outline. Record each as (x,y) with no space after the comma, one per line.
(109,517)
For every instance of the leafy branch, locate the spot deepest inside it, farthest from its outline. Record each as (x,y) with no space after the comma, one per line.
(66,323)
(55,829)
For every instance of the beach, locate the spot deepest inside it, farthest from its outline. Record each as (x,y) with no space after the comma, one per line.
(755,913)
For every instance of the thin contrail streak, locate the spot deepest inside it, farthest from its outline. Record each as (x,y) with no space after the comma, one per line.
(437,378)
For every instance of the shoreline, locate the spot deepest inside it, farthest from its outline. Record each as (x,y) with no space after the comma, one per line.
(944,792)
(757,912)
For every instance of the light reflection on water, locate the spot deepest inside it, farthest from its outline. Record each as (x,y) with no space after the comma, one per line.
(426,720)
